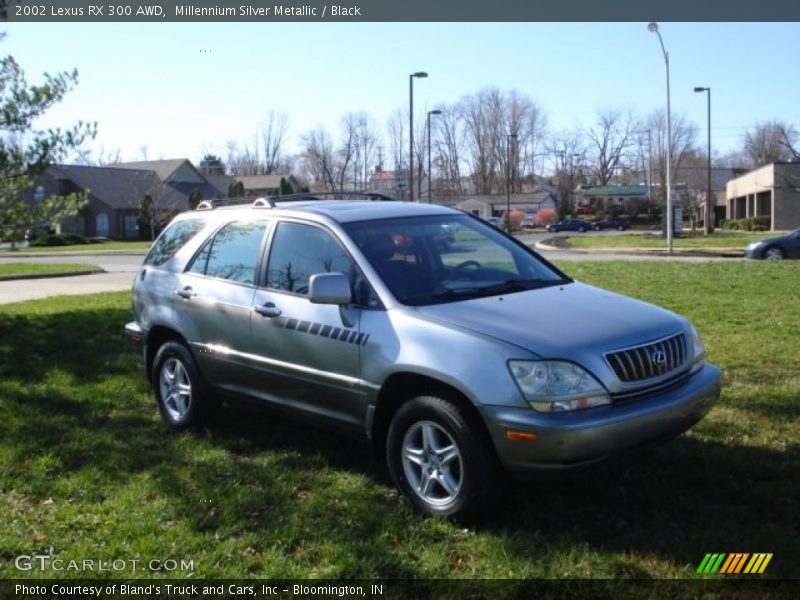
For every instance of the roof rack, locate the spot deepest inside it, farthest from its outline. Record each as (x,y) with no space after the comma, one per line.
(272,201)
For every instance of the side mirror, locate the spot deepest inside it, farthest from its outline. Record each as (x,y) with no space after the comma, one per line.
(329,288)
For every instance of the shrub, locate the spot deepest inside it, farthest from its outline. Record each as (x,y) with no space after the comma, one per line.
(546,216)
(59,239)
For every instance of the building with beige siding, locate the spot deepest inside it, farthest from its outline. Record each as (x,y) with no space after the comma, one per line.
(772,190)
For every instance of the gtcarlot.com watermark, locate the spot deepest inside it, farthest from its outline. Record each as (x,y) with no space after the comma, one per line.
(49,562)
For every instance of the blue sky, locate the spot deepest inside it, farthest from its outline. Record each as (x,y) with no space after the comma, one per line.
(183,89)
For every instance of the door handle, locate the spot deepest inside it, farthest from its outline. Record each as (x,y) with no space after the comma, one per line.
(268,310)
(186,293)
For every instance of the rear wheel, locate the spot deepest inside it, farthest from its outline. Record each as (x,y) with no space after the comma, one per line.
(582,229)
(438,459)
(182,395)
(774,253)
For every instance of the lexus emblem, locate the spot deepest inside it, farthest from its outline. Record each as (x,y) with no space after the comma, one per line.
(659,359)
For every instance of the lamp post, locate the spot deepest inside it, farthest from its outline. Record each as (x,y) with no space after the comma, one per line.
(653,28)
(421,75)
(430,112)
(707,217)
(509,137)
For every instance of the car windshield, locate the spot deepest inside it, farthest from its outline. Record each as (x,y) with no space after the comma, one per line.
(447,258)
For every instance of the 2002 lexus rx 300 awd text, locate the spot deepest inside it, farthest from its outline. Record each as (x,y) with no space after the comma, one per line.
(456,361)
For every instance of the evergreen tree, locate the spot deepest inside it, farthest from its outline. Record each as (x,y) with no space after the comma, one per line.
(26,152)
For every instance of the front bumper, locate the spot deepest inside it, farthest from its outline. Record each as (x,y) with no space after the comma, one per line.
(134,332)
(757,252)
(565,440)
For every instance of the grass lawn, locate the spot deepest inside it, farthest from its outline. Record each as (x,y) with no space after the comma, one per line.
(9,270)
(724,240)
(88,469)
(104,247)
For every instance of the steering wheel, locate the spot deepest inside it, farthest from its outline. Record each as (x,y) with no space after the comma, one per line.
(467,263)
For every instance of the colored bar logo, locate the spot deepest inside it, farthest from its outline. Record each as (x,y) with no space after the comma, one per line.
(735,563)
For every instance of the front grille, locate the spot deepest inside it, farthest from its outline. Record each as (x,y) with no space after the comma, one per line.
(648,361)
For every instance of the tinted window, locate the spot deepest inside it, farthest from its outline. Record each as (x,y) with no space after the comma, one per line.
(173,239)
(232,253)
(300,251)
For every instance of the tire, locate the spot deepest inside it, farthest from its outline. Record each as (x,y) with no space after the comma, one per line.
(621,228)
(774,253)
(582,230)
(440,460)
(597,228)
(181,393)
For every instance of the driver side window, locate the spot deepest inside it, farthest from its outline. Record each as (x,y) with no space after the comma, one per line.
(300,251)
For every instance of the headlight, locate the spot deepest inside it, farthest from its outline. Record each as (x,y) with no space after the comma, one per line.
(698,351)
(552,385)
(754,245)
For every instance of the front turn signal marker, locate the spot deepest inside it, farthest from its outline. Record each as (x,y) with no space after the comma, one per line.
(520,436)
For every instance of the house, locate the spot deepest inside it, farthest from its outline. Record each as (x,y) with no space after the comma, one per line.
(267,185)
(494,205)
(116,193)
(623,198)
(770,191)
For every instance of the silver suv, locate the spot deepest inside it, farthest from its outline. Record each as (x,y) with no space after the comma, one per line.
(457,351)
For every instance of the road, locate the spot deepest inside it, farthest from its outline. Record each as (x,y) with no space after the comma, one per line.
(121,267)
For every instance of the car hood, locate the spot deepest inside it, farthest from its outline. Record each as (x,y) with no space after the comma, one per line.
(573,321)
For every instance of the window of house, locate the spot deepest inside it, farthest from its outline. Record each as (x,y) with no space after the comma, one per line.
(101,225)
(232,253)
(131,226)
(300,251)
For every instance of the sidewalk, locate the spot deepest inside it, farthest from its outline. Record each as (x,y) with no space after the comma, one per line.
(19,291)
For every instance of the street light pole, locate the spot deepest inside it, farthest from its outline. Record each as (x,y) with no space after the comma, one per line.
(707,216)
(430,112)
(653,28)
(509,137)
(420,74)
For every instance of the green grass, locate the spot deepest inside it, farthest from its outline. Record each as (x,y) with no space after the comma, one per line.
(648,240)
(9,270)
(104,247)
(88,468)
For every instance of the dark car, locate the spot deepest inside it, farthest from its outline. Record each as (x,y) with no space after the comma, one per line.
(787,246)
(39,230)
(612,223)
(570,225)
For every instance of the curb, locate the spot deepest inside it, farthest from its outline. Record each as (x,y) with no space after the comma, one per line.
(49,275)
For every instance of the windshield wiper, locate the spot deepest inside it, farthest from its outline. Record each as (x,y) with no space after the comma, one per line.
(504,287)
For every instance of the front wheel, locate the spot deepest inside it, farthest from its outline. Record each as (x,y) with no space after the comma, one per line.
(181,393)
(773,253)
(438,459)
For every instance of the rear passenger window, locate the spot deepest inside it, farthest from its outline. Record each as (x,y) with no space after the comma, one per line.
(172,240)
(300,251)
(232,253)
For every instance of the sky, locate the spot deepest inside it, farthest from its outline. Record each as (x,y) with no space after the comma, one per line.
(184,89)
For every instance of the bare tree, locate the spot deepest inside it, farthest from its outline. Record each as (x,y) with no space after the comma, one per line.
(318,158)
(565,150)
(397,137)
(609,140)
(447,146)
(769,142)
(273,139)
(684,140)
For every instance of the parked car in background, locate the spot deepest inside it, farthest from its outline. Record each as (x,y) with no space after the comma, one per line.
(617,223)
(529,221)
(570,225)
(585,209)
(352,314)
(777,248)
(494,221)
